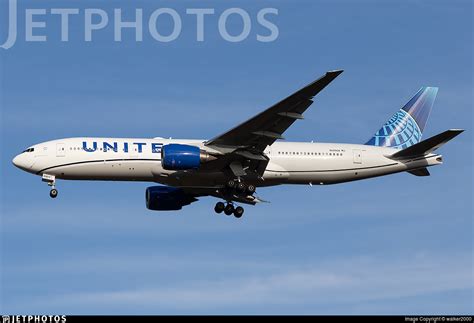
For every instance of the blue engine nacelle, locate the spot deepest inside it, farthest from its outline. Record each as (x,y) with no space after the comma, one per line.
(182,157)
(165,198)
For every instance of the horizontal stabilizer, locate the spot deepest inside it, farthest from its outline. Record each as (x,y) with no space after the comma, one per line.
(420,172)
(427,146)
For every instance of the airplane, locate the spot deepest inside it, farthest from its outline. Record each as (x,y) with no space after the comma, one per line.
(232,165)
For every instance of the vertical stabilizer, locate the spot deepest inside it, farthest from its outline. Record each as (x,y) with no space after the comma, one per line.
(405,127)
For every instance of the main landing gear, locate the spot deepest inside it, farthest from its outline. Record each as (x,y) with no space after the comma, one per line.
(229,209)
(234,187)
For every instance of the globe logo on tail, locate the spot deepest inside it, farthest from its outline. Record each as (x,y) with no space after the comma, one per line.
(405,127)
(401,131)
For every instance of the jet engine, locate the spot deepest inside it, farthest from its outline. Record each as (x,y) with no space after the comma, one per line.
(165,198)
(183,157)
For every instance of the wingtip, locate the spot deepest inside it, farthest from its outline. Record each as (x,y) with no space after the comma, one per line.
(429,88)
(457,130)
(335,72)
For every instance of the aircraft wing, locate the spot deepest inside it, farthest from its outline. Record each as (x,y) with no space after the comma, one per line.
(266,127)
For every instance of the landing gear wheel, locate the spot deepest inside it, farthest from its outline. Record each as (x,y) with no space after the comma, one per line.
(53,193)
(238,212)
(251,189)
(241,187)
(229,209)
(219,207)
(231,183)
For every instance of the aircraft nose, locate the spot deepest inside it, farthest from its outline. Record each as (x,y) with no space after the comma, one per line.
(20,162)
(16,161)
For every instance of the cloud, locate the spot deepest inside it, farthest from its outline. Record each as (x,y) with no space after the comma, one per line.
(346,281)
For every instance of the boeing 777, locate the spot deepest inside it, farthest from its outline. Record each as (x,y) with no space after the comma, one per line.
(232,165)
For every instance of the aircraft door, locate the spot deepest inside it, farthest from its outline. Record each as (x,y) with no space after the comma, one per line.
(268,151)
(60,150)
(357,156)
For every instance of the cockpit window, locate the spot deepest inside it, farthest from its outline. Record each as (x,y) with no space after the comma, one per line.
(29,150)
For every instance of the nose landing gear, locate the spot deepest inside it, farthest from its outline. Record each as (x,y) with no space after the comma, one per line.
(53,193)
(51,180)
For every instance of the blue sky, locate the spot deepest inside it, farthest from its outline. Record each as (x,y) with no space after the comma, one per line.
(397,244)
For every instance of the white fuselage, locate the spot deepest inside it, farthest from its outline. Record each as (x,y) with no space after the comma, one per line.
(132,159)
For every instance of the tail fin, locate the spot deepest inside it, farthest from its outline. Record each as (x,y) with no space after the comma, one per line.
(405,127)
